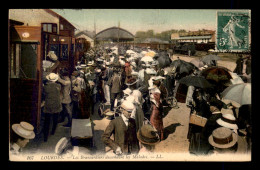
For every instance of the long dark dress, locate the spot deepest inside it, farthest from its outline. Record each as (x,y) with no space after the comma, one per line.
(156,117)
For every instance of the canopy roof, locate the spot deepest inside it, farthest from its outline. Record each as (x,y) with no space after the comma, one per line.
(193,37)
(115,33)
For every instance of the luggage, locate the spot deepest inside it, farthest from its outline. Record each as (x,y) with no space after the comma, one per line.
(197,120)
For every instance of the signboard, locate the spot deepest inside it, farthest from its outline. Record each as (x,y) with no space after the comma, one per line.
(233,30)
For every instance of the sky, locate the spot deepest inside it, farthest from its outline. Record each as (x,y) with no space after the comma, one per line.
(140,19)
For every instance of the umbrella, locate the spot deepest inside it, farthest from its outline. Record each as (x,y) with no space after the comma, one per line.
(239,93)
(130,52)
(147,59)
(197,62)
(182,66)
(236,79)
(196,81)
(164,61)
(208,58)
(217,73)
(150,53)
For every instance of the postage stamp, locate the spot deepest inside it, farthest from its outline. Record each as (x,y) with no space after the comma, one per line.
(233,30)
(103,85)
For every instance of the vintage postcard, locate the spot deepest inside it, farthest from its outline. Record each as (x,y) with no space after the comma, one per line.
(129,85)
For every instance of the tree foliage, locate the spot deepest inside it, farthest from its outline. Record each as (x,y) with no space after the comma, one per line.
(165,35)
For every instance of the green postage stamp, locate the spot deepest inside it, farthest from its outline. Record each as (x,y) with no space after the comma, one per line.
(233,30)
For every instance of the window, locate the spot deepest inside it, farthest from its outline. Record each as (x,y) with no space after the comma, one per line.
(61,27)
(51,28)
(64,52)
(23,60)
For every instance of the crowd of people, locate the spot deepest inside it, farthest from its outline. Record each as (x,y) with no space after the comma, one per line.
(134,85)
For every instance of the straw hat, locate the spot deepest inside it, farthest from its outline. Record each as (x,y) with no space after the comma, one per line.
(134,73)
(150,71)
(24,130)
(90,63)
(223,138)
(226,111)
(159,78)
(108,112)
(128,105)
(52,55)
(83,65)
(61,145)
(228,121)
(148,135)
(133,64)
(52,77)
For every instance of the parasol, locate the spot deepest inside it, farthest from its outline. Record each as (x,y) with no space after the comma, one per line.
(196,81)
(239,93)
(209,58)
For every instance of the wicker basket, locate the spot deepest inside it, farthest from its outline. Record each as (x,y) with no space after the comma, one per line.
(197,120)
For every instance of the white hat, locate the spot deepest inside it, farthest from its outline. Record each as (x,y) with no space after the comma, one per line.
(134,73)
(24,130)
(90,63)
(107,63)
(228,121)
(150,71)
(223,138)
(121,57)
(98,70)
(99,59)
(226,111)
(61,145)
(133,64)
(127,105)
(159,78)
(52,77)
(127,91)
(52,55)
(83,65)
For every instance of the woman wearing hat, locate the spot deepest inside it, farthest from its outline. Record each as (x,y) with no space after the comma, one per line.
(156,117)
(52,107)
(128,71)
(20,136)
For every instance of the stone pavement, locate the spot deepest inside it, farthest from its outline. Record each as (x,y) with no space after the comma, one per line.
(175,124)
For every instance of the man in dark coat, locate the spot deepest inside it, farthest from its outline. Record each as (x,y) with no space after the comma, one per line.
(115,84)
(124,130)
(248,65)
(53,106)
(239,65)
